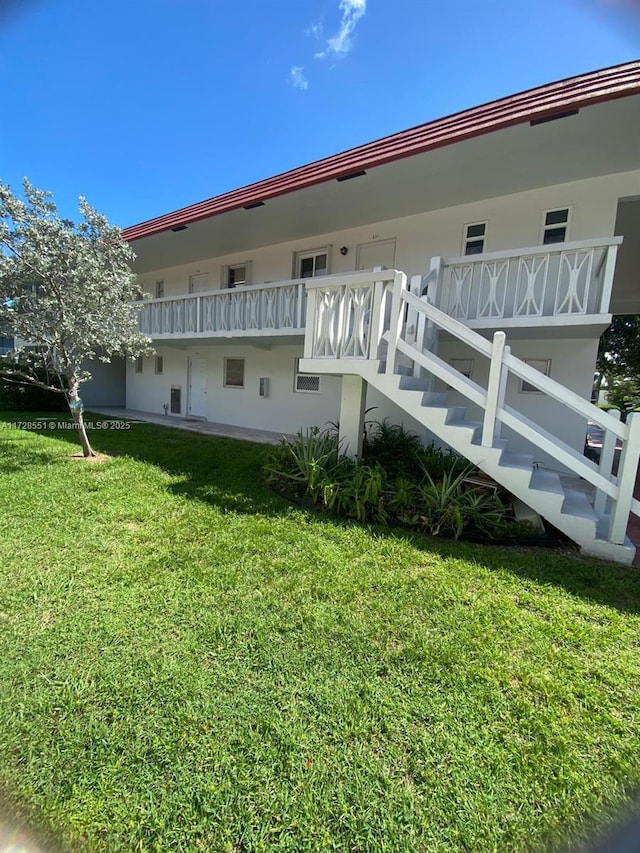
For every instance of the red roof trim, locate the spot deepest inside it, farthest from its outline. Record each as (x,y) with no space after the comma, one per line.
(595,87)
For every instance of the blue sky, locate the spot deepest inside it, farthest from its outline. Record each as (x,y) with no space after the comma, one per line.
(145,106)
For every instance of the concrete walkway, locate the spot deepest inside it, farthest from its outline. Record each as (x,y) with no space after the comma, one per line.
(261,436)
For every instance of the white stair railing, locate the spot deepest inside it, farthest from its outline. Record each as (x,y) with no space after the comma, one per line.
(491,400)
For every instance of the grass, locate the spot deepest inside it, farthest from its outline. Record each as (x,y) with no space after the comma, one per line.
(189,663)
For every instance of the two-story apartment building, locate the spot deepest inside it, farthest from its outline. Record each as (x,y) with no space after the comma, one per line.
(520,216)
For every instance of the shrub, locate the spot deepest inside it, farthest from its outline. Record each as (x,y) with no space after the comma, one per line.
(425,487)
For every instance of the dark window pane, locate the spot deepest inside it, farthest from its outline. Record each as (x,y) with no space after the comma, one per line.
(321,264)
(557,217)
(474,247)
(476,230)
(234,372)
(306,268)
(554,235)
(237,275)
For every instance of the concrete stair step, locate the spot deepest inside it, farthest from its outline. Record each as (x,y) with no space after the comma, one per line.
(577,503)
(516,460)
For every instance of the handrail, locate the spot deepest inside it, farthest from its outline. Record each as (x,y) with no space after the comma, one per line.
(549,248)
(349,279)
(524,371)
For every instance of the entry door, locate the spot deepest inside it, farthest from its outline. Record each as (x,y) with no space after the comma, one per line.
(197,407)
(378,253)
(201,282)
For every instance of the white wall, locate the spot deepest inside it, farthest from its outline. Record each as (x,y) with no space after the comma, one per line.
(282,411)
(514,221)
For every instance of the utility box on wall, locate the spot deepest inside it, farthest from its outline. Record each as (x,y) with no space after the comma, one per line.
(264,386)
(176,400)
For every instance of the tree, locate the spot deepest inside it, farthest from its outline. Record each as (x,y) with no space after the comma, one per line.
(618,362)
(68,291)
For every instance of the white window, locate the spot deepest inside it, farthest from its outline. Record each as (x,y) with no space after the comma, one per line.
(139,364)
(305,383)
(234,373)
(235,275)
(159,289)
(541,364)
(473,238)
(555,226)
(462,365)
(311,264)
(159,364)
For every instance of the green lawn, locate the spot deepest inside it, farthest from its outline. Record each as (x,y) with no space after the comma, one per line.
(189,663)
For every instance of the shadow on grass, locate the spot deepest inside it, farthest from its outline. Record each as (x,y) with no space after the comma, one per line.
(226,473)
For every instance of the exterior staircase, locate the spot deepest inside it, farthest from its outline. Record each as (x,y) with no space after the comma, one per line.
(379,330)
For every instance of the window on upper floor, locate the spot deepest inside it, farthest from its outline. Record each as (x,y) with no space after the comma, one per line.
(235,275)
(139,364)
(311,264)
(159,289)
(159,364)
(555,226)
(473,238)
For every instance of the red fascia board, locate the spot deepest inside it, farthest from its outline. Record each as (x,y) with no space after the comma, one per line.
(574,93)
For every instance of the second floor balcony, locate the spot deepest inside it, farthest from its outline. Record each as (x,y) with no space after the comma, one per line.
(541,290)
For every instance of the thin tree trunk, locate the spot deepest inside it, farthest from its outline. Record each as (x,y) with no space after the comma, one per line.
(75,407)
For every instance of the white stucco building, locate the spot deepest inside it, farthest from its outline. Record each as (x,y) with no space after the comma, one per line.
(520,216)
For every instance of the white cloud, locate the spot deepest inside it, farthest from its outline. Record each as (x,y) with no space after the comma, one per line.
(315,30)
(297,78)
(341,43)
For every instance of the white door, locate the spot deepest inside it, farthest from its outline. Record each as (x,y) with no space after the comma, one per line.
(378,253)
(197,406)
(201,282)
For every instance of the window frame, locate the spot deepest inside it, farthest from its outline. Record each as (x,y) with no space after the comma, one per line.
(526,387)
(159,365)
(544,228)
(225,375)
(466,239)
(139,364)
(159,289)
(298,257)
(225,271)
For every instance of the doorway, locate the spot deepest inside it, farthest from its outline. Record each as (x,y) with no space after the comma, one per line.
(197,401)
(378,253)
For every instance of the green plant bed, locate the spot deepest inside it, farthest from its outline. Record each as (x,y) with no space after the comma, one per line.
(398,482)
(543,539)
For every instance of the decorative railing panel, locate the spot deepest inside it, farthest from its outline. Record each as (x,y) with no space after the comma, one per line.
(563,280)
(259,309)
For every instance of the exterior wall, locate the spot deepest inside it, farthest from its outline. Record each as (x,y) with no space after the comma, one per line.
(284,410)
(107,386)
(287,411)
(512,222)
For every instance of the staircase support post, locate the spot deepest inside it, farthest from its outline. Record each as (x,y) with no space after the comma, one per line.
(627,473)
(493,389)
(352,406)
(606,461)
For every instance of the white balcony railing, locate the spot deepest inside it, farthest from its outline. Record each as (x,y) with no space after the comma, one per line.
(565,281)
(545,285)
(257,309)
